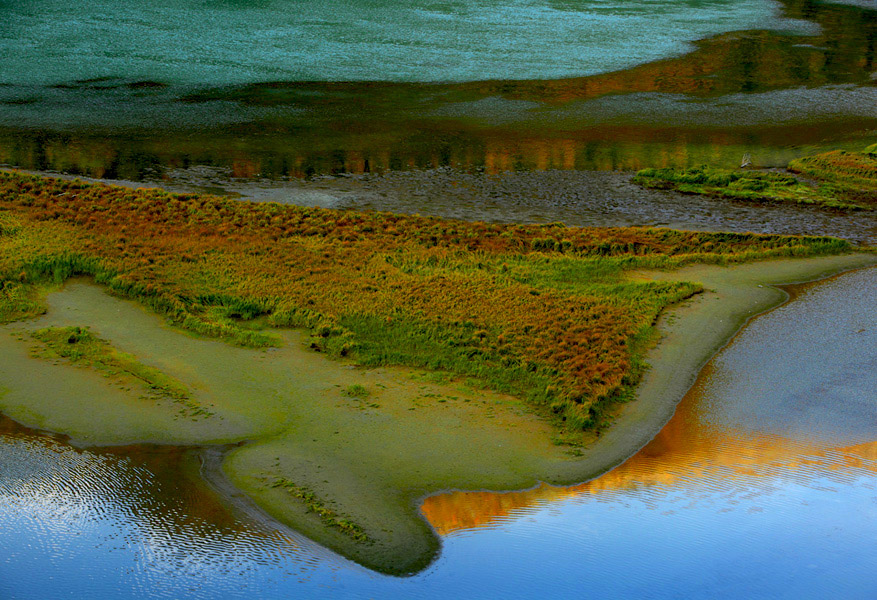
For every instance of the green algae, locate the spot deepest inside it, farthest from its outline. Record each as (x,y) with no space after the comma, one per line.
(317,506)
(287,402)
(81,347)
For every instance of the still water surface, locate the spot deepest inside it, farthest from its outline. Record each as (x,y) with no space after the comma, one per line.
(764,484)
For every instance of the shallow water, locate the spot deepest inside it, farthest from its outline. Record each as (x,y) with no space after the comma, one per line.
(764,484)
(575,198)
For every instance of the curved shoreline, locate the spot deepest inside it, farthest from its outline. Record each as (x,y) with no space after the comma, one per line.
(689,341)
(737,295)
(392,502)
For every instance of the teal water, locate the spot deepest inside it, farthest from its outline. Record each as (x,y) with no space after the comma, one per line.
(217,42)
(283,88)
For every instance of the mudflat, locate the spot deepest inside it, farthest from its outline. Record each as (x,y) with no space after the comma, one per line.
(342,453)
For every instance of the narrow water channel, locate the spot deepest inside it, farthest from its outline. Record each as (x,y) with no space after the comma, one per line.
(764,484)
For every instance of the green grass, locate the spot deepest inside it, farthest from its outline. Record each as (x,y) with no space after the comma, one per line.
(541,312)
(836,180)
(20,301)
(282,410)
(357,391)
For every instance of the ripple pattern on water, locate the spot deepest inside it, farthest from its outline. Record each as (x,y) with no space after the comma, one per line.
(219,43)
(127,528)
(730,500)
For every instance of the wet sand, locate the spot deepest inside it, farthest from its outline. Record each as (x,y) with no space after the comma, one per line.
(672,90)
(575,198)
(775,512)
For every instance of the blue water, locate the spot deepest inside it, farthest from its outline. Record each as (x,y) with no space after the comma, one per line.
(756,489)
(218,42)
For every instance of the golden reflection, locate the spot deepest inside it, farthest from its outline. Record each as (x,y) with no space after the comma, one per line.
(349,127)
(596,148)
(841,51)
(688,449)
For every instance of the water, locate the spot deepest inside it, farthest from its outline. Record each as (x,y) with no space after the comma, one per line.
(216,42)
(297,89)
(576,198)
(764,485)
(765,482)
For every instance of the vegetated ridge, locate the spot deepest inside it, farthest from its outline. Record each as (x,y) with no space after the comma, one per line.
(543,312)
(837,179)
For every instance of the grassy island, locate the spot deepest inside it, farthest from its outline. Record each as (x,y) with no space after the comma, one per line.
(542,311)
(836,180)
(463,355)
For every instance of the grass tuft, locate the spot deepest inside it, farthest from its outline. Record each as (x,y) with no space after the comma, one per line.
(838,180)
(357,391)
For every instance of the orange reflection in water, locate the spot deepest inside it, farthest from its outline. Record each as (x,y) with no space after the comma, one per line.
(688,449)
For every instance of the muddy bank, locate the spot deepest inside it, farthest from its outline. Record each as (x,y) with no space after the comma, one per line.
(776,514)
(576,198)
(371,461)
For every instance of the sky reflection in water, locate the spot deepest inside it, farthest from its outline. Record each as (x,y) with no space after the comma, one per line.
(764,484)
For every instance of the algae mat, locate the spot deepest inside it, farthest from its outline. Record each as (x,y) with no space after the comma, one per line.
(332,449)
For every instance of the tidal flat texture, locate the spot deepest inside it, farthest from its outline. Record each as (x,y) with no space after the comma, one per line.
(344,454)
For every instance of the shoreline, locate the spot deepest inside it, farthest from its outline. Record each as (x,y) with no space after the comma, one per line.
(579,199)
(344,454)
(658,394)
(641,420)
(733,295)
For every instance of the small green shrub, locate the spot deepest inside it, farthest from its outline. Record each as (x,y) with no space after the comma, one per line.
(357,391)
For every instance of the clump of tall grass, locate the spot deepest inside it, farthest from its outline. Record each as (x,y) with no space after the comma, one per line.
(843,180)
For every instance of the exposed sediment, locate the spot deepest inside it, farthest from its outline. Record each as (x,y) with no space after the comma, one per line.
(374,464)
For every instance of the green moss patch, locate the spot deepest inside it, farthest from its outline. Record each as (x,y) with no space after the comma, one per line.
(328,516)
(838,180)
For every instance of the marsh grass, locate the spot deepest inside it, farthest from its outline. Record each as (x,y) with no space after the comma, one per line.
(543,312)
(82,348)
(19,301)
(9,226)
(357,391)
(327,515)
(838,180)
